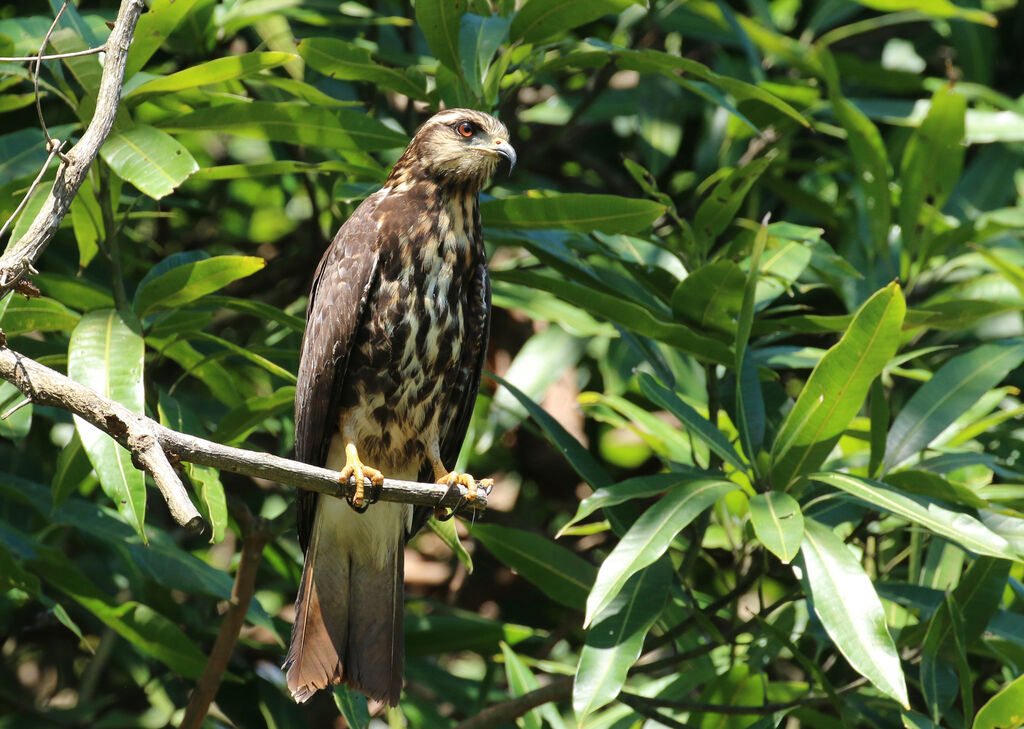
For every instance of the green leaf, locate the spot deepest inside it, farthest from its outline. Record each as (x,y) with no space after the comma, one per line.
(191,280)
(697,424)
(954,388)
(562,575)
(959,527)
(614,641)
(845,601)
(294,123)
(750,415)
(837,387)
(106,355)
(538,20)
(73,467)
(871,164)
(439,22)
(148,631)
(40,314)
(448,534)
(931,163)
(575,453)
(152,30)
(778,523)
(352,706)
(626,313)
(935,8)
(711,297)
(216,71)
(17,424)
(349,62)
(205,480)
(284,167)
(578,212)
(678,68)
(520,681)
(74,291)
(640,487)
(717,212)
(152,160)
(87,222)
(253,357)
(1005,710)
(648,538)
(479,38)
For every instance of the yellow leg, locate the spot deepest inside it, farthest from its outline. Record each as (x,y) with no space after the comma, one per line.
(355,468)
(450,478)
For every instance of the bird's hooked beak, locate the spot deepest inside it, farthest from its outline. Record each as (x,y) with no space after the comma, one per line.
(504,149)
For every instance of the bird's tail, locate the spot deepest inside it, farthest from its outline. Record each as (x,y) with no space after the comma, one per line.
(348,614)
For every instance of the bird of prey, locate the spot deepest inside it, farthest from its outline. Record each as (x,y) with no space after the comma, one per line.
(397,327)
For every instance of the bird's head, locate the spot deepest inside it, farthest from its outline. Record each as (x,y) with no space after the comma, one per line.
(458,146)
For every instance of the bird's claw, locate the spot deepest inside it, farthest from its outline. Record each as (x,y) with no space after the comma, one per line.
(453,481)
(354,469)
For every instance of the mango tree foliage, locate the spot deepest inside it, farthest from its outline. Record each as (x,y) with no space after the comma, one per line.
(754,385)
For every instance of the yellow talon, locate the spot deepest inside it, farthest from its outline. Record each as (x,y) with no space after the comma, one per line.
(471,484)
(355,468)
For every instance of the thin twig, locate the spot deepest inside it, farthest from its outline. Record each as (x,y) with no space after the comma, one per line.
(15,409)
(21,254)
(151,444)
(254,538)
(651,712)
(726,709)
(53,56)
(506,711)
(24,200)
(35,77)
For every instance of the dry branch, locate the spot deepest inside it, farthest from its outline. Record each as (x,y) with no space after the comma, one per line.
(17,261)
(152,444)
(255,535)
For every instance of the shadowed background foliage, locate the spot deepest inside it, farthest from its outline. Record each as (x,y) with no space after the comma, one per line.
(780,454)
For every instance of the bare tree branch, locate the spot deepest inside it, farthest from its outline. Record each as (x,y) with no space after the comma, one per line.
(17,261)
(255,535)
(152,445)
(506,711)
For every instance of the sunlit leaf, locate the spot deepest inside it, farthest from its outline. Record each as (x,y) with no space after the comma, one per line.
(959,527)
(846,602)
(107,355)
(614,641)
(778,523)
(649,537)
(948,394)
(837,387)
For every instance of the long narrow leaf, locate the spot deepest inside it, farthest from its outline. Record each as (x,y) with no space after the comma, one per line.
(846,602)
(649,537)
(954,388)
(959,527)
(107,355)
(837,387)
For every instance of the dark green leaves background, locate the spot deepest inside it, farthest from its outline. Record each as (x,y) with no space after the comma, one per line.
(754,403)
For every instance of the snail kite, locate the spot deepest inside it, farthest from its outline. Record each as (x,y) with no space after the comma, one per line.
(396,333)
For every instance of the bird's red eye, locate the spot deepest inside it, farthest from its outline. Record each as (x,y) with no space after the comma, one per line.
(465,129)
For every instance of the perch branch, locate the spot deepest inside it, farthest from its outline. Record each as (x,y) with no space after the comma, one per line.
(17,261)
(506,711)
(256,534)
(151,444)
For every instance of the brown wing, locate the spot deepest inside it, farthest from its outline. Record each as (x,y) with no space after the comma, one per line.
(478,331)
(341,287)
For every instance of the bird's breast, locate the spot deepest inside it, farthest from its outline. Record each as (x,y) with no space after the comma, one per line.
(408,353)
